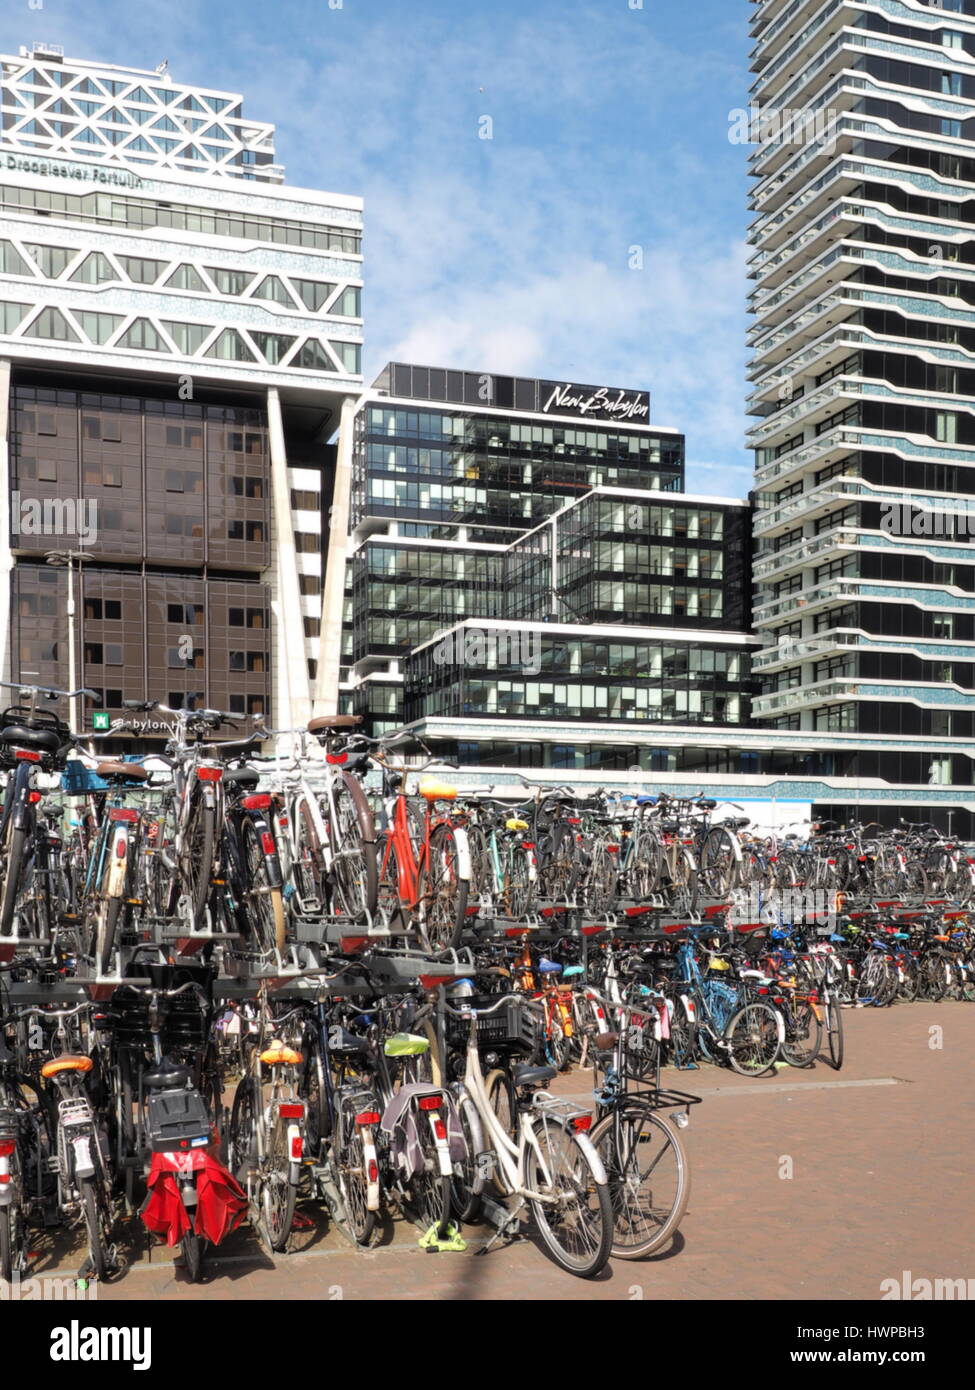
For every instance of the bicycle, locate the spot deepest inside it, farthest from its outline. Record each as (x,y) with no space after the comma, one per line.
(550,1166)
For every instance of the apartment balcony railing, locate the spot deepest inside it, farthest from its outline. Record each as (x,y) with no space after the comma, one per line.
(843,688)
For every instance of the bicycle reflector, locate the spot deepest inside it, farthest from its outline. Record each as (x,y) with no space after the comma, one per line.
(257,803)
(126,813)
(267,843)
(7,1147)
(26,756)
(431,981)
(34,797)
(430,1102)
(367,1117)
(336,758)
(291,1110)
(209,774)
(582,1122)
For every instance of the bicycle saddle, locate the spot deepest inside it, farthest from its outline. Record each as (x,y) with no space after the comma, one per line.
(167,1074)
(571,970)
(548,967)
(131,772)
(347,1042)
(242,776)
(532,1076)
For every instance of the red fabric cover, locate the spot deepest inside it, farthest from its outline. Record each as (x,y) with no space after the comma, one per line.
(221,1202)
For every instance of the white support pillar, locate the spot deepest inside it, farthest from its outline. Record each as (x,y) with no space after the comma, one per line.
(6,554)
(292,697)
(333,584)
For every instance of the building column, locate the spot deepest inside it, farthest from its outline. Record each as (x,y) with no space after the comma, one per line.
(333,582)
(291,686)
(6,554)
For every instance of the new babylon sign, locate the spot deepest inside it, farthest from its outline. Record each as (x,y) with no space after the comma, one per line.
(596,402)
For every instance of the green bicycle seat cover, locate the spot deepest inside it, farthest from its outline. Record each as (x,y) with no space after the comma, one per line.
(405,1045)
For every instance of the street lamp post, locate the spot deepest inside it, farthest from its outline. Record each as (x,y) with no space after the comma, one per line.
(68,558)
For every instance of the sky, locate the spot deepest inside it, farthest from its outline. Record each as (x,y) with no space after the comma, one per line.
(596,236)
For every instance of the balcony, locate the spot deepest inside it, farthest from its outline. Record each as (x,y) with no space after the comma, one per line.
(842,689)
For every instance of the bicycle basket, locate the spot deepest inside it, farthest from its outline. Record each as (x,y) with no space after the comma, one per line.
(78,780)
(513,1027)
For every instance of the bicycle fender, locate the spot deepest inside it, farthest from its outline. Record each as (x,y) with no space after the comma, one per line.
(463,854)
(595,1162)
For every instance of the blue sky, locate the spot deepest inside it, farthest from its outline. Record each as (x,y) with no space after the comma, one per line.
(514,254)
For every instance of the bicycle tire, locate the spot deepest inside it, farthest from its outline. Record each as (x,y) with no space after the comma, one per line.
(191,1248)
(267,914)
(466,1186)
(576,1180)
(758,1047)
(442,893)
(197,859)
(355,871)
(802,1049)
(97,1253)
(628,1244)
(834,1034)
(14,859)
(279,1195)
(109,911)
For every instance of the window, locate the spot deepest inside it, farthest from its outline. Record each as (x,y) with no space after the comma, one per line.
(249,617)
(51,323)
(97,327)
(246,487)
(946,427)
(141,334)
(186,277)
(188,337)
(140,270)
(272,289)
(245,530)
(185,613)
(95,269)
(231,282)
(313,293)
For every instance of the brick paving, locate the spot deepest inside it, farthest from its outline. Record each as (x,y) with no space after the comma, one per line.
(880,1157)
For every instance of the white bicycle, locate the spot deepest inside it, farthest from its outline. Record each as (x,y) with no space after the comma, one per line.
(550,1166)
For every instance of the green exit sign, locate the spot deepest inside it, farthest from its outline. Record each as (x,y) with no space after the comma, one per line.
(100,719)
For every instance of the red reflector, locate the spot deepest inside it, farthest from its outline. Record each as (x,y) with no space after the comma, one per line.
(528,844)
(27,757)
(33,798)
(582,1122)
(7,1147)
(120,845)
(283,822)
(267,842)
(291,1110)
(337,758)
(257,803)
(574,820)
(515,931)
(351,944)
(373,1170)
(612,849)
(430,1103)
(440,1129)
(209,774)
(297,1148)
(4,1179)
(123,813)
(367,1117)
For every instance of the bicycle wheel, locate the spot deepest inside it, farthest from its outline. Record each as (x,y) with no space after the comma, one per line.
(242,1131)
(16,849)
(803,1035)
(501,1096)
(752,1036)
(350,1162)
(266,904)
(834,1033)
(13,1235)
(466,1184)
(557,868)
(191,1248)
(428,1191)
(196,861)
(355,872)
(442,892)
(575,1221)
(278,1193)
(312,1090)
(649,1178)
(599,889)
(307,864)
(646,865)
(518,885)
(719,863)
(684,886)
(97,1226)
(106,929)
